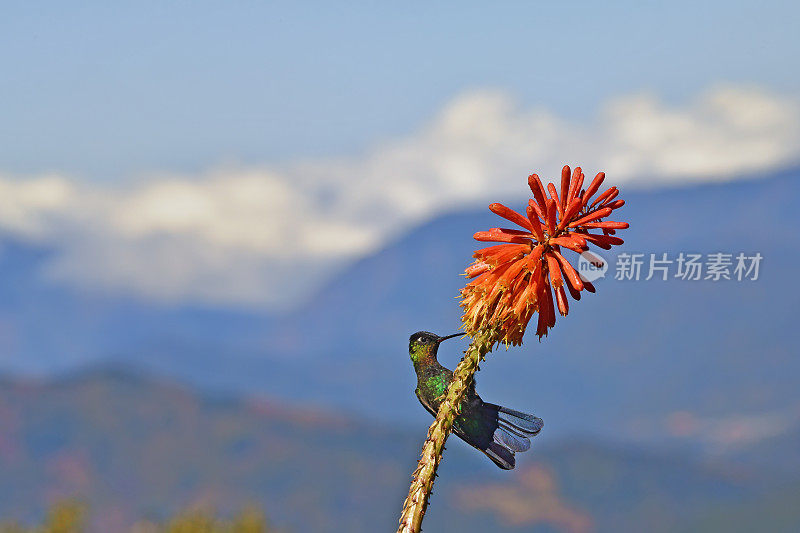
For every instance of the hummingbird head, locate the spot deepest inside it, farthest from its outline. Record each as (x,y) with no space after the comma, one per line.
(423,345)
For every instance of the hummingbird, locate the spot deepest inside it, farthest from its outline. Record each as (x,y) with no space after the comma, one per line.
(497,431)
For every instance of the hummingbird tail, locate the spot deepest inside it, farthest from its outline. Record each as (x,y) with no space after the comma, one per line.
(530,425)
(502,456)
(513,433)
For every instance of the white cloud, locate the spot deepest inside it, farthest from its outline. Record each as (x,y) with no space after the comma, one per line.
(262,236)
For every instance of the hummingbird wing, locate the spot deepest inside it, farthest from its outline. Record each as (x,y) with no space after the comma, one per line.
(425,403)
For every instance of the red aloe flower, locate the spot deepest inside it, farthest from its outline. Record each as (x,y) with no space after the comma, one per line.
(516,279)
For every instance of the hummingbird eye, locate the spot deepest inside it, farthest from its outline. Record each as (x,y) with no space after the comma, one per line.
(421,337)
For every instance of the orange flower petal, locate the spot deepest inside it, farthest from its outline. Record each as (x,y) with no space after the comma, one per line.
(574,206)
(551,215)
(576,295)
(603,241)
(498,235)
(576,185)
(523,300)
(567,242)
(565,187)
(548,303)
(536,226)
(594,215)
(538,192)
(533,261)
(476,269)
(513,270)
(543,290)
(510,215)
(554,196)
(554,269)
(594,186)
(501,253)
(574,237)
(561,299)
(493,250)
(569,271)
(536,209)
(541,326)
(608,192)
(608,224)
(613,194)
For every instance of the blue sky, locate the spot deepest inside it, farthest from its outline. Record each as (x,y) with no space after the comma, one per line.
(107,92)
(198,151)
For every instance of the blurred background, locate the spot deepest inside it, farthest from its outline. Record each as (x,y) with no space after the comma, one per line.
(220,223)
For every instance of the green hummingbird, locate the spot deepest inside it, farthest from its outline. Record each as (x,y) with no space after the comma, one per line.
(497,431)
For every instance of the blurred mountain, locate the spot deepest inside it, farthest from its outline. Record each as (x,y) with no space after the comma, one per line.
(625,358)
(138,448)
(647,361)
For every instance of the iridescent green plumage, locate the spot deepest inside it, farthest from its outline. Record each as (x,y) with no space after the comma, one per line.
(497,431)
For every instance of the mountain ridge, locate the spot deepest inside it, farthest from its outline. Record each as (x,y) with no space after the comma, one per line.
(146,447)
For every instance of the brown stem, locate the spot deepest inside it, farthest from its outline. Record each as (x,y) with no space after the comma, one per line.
(422,480)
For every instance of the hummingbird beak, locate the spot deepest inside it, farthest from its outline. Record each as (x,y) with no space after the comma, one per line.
(451,336)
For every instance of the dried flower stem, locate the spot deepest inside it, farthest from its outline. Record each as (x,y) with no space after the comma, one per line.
(422,480)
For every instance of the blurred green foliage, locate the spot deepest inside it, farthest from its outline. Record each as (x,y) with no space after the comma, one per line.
(71,517)
(65,517)
(203,521)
